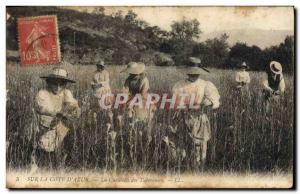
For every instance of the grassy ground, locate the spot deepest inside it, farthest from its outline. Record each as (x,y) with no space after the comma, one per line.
(243,140)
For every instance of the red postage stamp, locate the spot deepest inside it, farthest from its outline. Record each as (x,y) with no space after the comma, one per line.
(38,40)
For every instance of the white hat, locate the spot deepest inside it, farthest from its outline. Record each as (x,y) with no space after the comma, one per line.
(135,68)
(244,65)
(58,74)
(275,67)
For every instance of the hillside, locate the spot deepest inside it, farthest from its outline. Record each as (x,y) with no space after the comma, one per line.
(96,35)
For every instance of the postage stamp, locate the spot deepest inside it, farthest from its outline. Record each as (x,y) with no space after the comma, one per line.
(38,40)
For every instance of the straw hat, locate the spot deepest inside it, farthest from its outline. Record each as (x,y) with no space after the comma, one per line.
(135,68)
(275,67)
(59,74)
(194,60)
(195,70)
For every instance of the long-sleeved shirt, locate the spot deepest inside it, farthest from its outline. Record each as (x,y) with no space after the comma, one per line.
(100,83)
(48,104)
(275,83)
(205,92)
(101,78)
(242,77)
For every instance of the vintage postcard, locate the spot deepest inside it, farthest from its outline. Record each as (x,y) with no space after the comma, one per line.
(150,97)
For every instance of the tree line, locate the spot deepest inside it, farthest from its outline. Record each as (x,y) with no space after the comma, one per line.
(181,42)
(217,53)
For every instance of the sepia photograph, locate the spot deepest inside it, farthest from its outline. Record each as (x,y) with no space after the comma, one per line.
(150,97)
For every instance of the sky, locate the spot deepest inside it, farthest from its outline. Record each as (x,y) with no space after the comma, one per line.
(215,18)
(262,26)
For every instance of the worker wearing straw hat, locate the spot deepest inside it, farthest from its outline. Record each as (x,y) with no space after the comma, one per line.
(274,85)
(137,83)
(55,109)
(242,77)
(139,118)
(196,124)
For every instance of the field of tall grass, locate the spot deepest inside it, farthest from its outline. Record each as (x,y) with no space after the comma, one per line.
(243,140)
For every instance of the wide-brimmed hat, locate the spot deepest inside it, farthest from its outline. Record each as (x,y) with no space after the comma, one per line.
(195,70)
(135,68)
(195,60)
(275,67)
(59,74)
